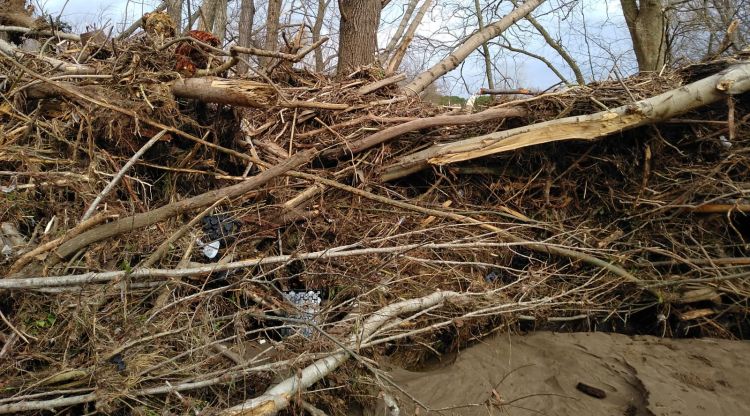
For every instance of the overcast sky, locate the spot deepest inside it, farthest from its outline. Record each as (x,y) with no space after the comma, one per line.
(608,42)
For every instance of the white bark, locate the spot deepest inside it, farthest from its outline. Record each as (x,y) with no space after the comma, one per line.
(476,40)
(398,56)
(278,397)
(399,31)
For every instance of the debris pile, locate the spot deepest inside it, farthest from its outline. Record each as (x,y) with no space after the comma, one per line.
(177,237)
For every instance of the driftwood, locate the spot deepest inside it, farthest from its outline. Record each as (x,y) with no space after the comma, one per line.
(160,214)
(438,121)
(60,66)
(32,32)
(236,92)
(380,84)
(732,81)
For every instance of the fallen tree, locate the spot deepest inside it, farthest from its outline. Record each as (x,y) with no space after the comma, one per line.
(732,81)
(438,121)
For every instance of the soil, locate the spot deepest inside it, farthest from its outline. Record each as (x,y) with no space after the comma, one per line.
(539,374)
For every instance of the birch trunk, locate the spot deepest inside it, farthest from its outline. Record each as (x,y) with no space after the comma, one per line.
(732,81)
(452,61)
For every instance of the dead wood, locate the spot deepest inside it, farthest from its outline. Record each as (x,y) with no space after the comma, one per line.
(380,84)
(145,219)
(242,93)
(438,121)
(732,81)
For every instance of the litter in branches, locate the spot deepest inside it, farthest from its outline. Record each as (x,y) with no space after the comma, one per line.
(178,237)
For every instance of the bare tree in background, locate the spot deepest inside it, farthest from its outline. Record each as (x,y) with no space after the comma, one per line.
(557,46)
(174,8)
(485,47)
(647,25)
(703,29)
(468,46)
(272,28)
(410,7)
(220,20)
(400,52)
(316,30)
(245,30)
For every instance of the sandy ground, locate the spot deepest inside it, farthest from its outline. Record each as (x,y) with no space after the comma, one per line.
(537,374)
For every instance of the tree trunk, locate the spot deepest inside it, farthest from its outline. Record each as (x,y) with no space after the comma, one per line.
(247,14)
(558,48)
(647,25)
(400,30)
(735,80)
(358,34)
(208,15)
(272,29)
(317,28)
(452,61)
(220,21)
(174,9)
(398,56)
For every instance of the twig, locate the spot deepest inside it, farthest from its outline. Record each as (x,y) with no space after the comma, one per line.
(132,28)
(164,246)
(199,201)
(518,91)
(79,279)
(380,84)
(505,235)
(116,179)
(26,258)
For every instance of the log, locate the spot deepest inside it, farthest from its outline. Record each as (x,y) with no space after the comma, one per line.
(380,84)
(160,214)
(41,33)
(423,123)
(732,81)
(237,92)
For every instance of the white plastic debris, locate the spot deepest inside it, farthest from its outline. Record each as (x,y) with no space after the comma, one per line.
(210,250)
(725,142)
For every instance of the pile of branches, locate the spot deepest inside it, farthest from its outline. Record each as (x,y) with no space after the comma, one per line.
(162,216)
